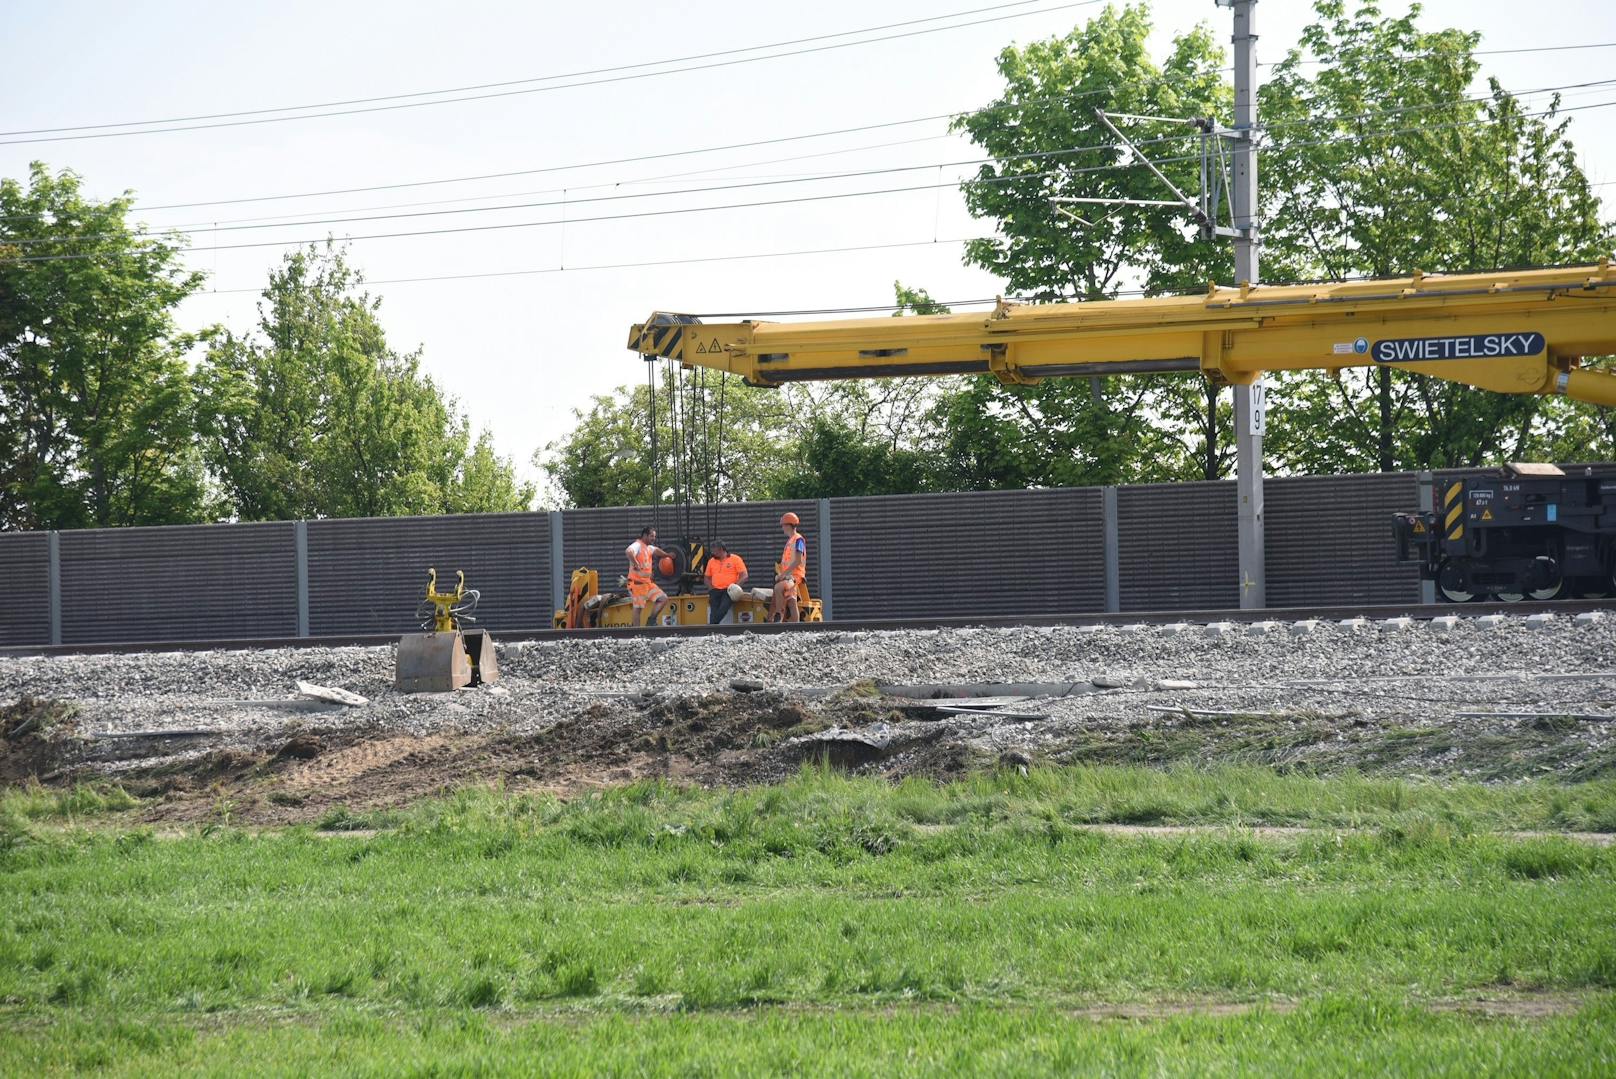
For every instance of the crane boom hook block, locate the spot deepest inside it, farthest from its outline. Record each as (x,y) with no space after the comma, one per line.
(446,656)
(1521,332)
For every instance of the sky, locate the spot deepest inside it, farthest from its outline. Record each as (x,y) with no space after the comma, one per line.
(521,351)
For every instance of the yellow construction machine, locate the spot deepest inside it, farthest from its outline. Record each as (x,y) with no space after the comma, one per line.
(1522,332)
(446,656)
(588,607)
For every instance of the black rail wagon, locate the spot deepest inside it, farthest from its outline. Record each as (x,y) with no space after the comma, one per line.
(1528,530)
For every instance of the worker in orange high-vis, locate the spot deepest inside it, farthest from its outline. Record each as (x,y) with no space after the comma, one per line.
(791,573)
(726,573)
(642,586)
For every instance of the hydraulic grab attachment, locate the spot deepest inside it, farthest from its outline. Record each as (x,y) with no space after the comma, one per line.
(1512,332)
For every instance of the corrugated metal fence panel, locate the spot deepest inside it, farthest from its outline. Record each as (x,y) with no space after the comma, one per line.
(1329,539)
(186,582)
(988,553)
(1177,547)
(25,615)
(596,537)
(367,575)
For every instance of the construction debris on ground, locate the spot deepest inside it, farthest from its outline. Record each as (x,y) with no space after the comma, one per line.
(1497,702)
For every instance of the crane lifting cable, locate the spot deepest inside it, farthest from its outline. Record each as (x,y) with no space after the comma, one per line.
(685,443)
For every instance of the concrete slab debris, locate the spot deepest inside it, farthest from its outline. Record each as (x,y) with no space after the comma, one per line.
(331,694)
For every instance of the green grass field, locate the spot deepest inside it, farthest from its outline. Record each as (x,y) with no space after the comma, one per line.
(826,925)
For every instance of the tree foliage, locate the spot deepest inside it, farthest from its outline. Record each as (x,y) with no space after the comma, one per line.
(814,440)
(607,460)
(97,412)
(1047,140)
(1384,163)
(317,416)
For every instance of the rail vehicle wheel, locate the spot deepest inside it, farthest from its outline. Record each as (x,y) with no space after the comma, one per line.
(1536,593)
(1453,584)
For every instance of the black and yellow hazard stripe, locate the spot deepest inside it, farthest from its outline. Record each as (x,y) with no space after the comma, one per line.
(659,339)
(1453,510)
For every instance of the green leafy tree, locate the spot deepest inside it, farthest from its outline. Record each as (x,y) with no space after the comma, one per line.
(1384,163)
(836,461)
(96,403)
(320,417)
(1047,140)
(866,437)
(750,436)
(485,482)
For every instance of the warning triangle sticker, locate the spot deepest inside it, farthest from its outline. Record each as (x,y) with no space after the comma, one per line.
(1486,515)
(701,350)
(715,346)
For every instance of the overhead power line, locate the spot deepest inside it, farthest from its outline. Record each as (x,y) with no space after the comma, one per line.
(1485,52)
(835,176)
(207,228)
(1546,48)
(926,167)
(647,264)
(515,82)
(95,131)
(1353,137)
(286,221)
(548,222)
(608,161)
(998,107)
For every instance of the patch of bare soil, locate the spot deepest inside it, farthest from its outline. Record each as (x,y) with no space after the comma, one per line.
(273,771)
(721,738)
(32,733)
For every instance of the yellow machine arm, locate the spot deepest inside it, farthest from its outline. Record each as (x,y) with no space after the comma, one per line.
(1512,332)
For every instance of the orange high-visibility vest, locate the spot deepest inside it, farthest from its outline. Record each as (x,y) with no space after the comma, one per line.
(796,544)
(641,560)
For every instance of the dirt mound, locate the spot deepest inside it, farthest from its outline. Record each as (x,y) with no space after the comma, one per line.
(32,731)
(715,738)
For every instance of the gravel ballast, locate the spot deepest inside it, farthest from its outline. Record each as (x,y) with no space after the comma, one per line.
(1280,693)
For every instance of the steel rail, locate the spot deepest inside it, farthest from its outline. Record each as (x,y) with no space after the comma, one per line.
(1334,613)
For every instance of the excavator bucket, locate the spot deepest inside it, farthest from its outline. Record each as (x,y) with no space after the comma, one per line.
(479,646)
(442,662)
(432,663)
(447,657)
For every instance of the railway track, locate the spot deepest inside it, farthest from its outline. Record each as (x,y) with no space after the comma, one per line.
(1567,608)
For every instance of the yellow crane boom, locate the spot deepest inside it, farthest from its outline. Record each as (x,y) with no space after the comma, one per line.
(1513,332)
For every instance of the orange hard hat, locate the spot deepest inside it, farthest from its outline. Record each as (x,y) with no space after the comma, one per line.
(666,565)
(790,519)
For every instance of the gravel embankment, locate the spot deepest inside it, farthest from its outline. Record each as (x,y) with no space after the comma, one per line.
(1127,680)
